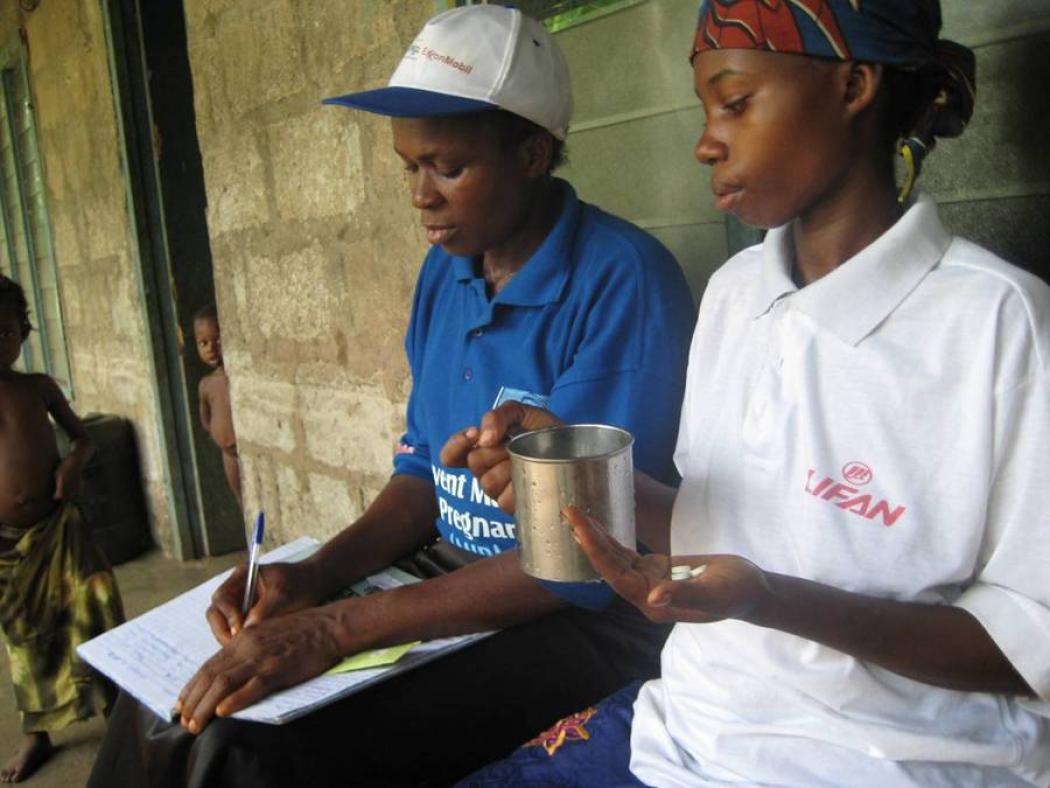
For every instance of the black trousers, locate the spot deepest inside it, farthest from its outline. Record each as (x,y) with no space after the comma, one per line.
(427,727)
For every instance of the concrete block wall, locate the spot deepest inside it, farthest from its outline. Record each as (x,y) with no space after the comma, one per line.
(77,133)
(314,243)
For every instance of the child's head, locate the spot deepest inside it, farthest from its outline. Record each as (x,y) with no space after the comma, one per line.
(797,94)
(13,300)
(14,321)
(206,335)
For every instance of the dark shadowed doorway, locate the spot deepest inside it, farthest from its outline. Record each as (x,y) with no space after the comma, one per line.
(153,89)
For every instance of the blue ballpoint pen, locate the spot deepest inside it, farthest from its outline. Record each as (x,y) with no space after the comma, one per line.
(255,552)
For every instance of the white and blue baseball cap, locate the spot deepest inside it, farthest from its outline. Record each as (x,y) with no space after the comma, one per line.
(477,58)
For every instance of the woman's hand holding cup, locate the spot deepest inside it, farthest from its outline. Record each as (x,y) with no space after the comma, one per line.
(482,448)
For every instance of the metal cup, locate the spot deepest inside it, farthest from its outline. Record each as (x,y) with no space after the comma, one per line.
(584,465)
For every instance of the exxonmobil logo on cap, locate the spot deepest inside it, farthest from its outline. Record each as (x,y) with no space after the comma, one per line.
(428,53)
(848,496)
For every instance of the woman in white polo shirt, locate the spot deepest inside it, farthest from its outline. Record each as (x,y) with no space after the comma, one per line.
(863,435)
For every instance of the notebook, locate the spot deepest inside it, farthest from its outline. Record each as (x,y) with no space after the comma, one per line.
(154,655)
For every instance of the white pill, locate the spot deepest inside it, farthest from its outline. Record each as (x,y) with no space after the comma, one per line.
(686,572)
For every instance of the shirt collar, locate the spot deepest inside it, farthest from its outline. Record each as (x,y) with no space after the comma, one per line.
(541,280)
(858,295)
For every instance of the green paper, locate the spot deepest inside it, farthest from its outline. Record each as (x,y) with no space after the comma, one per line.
(376,658)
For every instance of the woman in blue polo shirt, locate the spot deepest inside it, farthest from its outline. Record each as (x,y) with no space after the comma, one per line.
(529,294)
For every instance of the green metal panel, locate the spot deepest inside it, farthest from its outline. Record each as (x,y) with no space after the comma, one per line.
(17,218)
(38,231)
(560,15)
(26,223)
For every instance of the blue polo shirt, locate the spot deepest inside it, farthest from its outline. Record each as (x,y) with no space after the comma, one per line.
(596,324)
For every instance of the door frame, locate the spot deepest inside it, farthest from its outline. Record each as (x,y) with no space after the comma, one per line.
(154,277)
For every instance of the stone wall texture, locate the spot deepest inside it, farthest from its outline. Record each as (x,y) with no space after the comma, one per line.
(315,247)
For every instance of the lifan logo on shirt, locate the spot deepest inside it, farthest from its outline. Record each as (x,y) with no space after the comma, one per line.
(856,473)
(848,496)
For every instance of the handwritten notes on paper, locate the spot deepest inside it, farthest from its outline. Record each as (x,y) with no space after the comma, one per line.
(153,656)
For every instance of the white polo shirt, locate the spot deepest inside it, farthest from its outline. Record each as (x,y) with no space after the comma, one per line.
(885,430)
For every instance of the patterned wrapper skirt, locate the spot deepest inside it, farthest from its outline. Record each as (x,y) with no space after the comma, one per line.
(56,591)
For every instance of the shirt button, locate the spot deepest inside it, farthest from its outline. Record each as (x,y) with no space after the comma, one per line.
(478,332)
(468,373)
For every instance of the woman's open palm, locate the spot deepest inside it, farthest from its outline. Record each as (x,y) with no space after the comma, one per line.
(727,587)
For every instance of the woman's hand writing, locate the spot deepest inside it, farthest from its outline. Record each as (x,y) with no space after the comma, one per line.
(261,659)
(281,588)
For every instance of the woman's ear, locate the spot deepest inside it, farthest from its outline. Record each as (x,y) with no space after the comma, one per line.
(862,85)
(536,153)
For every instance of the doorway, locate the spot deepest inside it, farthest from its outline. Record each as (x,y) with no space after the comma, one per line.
(153,91)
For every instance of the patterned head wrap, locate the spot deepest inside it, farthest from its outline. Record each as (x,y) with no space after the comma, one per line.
(899,33)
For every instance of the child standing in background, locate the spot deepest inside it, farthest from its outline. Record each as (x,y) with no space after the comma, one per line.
(56,588)
(214,395)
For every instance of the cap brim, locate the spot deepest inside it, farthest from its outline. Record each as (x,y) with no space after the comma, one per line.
(409,103)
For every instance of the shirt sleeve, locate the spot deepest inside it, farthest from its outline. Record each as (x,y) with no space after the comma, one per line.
(628,371)
(629,368)
(1011,597)
(413,451)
